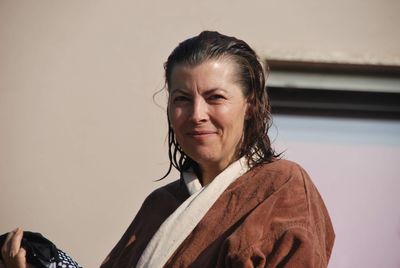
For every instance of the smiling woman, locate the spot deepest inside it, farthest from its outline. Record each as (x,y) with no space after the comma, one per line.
(236,203)
(207,110)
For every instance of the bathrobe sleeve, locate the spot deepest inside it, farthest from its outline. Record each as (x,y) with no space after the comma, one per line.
(294,248)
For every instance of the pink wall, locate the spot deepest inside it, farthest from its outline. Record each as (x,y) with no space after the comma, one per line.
(355,165)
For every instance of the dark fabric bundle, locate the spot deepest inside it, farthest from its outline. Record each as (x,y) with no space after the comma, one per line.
(41,252)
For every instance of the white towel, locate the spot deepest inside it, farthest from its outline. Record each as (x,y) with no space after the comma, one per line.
(181,223)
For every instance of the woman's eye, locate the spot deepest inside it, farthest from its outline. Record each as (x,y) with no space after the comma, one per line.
(181,98)
(216,97)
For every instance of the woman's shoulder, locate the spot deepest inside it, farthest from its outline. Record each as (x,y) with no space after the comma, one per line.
(281,166)
(283,203)
(174,192)
(280,173)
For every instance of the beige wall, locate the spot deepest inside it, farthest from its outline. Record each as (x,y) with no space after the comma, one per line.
(81,140)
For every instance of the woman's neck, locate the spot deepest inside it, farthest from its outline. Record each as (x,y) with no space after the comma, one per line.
(207,173)
(208,176)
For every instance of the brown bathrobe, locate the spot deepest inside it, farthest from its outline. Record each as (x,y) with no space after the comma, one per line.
(272,216)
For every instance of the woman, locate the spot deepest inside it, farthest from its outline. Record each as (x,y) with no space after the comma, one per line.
(236,204)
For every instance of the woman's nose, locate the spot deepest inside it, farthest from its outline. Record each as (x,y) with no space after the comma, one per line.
(199,110)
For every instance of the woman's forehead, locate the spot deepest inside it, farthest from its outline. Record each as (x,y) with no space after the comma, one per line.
(211,73)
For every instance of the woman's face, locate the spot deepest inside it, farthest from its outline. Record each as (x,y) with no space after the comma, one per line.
(207,110)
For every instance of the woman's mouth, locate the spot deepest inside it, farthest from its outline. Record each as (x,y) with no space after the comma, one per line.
(200,134)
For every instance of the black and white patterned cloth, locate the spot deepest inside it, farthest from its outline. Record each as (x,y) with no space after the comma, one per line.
(65,261)
(42,253)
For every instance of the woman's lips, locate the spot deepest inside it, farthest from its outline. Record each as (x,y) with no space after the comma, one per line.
(199,134)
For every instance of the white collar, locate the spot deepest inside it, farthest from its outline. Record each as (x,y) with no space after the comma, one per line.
(193,183)
(174,230)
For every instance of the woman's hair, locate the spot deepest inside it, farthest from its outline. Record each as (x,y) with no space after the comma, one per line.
(208,45)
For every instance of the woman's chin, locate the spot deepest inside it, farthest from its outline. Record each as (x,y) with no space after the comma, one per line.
(203,157)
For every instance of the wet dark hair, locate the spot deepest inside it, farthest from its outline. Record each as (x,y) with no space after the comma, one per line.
(208,45)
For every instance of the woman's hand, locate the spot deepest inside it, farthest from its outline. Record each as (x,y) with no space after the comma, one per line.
(14,256)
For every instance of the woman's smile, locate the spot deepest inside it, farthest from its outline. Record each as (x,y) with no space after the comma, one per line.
(202,134)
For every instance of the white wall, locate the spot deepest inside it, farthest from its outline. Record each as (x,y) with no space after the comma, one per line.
(81,140)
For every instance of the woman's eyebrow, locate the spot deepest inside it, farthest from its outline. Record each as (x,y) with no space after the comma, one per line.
(206,92)
(179,90)
(213,90)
